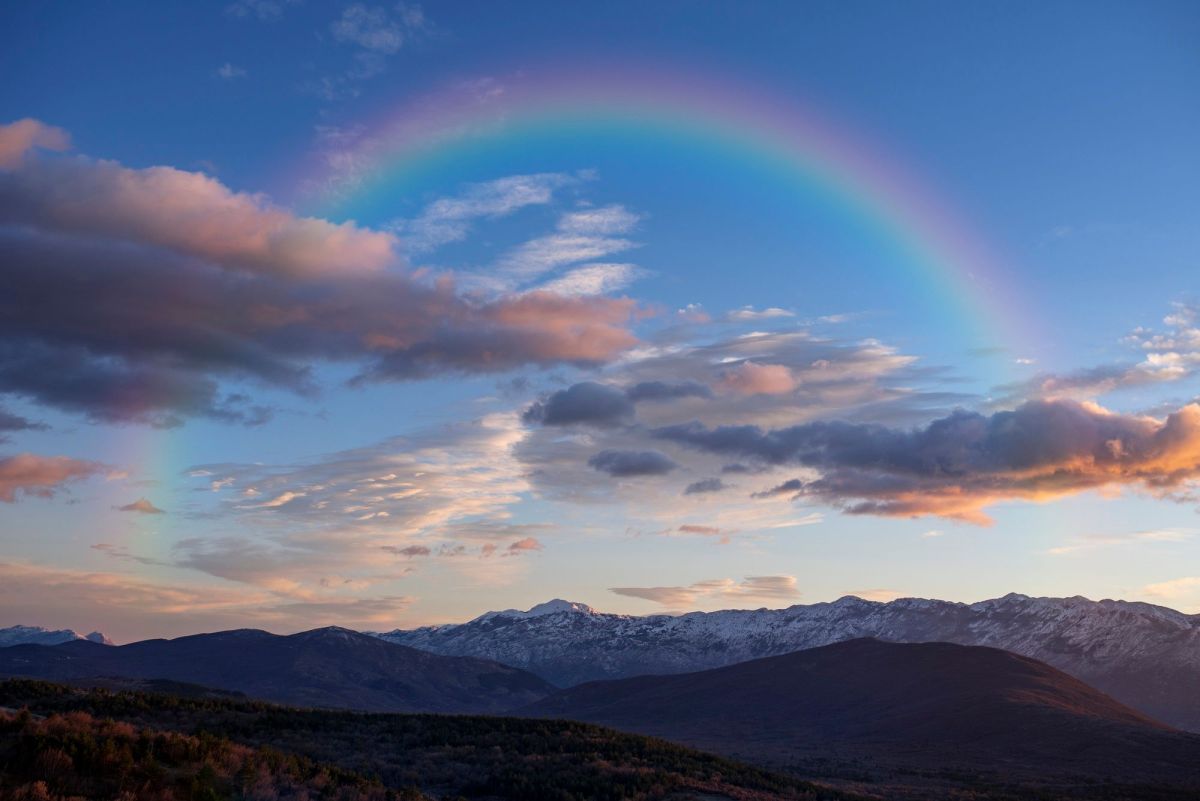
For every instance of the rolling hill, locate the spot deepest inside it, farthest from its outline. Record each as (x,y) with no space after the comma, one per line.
(933,705)
(327,667)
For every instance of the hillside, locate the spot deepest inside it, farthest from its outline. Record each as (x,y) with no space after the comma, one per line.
(77,756)
(324,668)
(931,705)
(1146,656)
(448,757)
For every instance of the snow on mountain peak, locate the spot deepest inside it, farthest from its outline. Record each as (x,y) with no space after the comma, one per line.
(559,605)
(36,635)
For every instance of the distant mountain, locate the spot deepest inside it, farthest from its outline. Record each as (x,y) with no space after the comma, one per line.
(328,667)
(1143,655)
(929,705)
(36,635)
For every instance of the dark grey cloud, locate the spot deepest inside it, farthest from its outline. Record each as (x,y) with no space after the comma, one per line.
(586,403)
(666,391)
(705,486)
(15,422)
(622,464)
(958,464)
(408,550)
(792,486)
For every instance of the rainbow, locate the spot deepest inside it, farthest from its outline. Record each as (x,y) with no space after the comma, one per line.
(739,122)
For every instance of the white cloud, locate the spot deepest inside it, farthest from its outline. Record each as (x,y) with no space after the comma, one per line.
(749,313)
(229,71)
(593,279)
(450,219)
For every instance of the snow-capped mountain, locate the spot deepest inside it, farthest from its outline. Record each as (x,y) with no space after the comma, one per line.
(36,635)
(1143,655)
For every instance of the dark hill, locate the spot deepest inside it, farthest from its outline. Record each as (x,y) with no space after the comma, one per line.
(328,667)
(930,705)
(446,756)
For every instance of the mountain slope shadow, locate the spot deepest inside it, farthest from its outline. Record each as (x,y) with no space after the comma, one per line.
(922,706)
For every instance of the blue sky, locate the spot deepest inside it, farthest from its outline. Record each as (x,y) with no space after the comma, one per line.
(523,360)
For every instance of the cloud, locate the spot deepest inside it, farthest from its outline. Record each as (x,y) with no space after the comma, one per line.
(450,219)
(440,493)
(42,476)
(409,550)
(605,405)
(20,138)
(127,607)
(705,486)
(1095,541)
(15,422)
(586,403)
(1188,586)
(593,279)
(180,287)
(666,391)
(264,10)
(376,34)
(750,314)
(957,465)
(750,589)
(750,378)
(882,595)
(141,506)
(188,213)
(376,29)
(625,464)
(583,236)
(229,71)
(1166,356)
(599,221)
(525,545)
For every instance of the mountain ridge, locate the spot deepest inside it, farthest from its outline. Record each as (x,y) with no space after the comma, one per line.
(1146,656)
(37,635)
(326,667)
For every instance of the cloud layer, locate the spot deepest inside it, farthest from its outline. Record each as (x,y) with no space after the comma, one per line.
(958,465)
(142,294)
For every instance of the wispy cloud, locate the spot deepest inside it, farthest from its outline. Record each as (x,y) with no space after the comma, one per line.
(450,219)
(752,589)
(229,71)
(1093,542)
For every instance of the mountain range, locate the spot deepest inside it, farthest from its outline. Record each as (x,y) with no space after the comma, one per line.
(928,705)
(329,667)
(1145,656)
(36,635)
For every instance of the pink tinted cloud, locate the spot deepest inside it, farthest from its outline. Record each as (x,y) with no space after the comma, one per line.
(752,378)
(41,476)
(526,544)
(17,139)
(179,283)
(190,213)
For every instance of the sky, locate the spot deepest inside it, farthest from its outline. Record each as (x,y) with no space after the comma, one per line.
(386,315)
